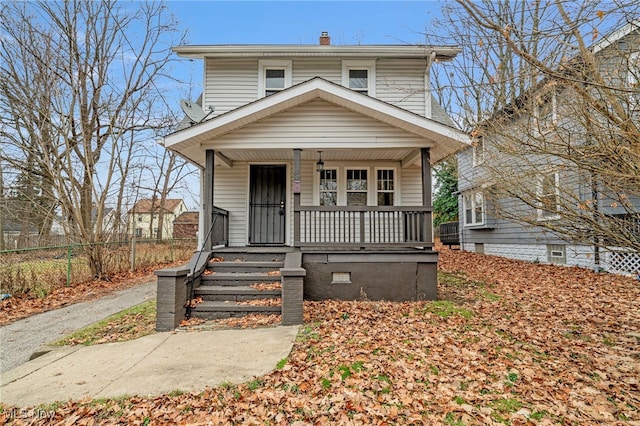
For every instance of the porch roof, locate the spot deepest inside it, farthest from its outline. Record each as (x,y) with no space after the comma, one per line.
(443,140)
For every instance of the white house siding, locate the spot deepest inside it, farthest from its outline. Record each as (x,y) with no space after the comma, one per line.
(307,68)
(400,82)
(317,125)
(230,83)
(411,184)
(231,195)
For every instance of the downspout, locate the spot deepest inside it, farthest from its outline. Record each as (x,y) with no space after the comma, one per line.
(427,84)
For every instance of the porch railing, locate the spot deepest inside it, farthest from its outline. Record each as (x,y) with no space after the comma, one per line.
(367,226)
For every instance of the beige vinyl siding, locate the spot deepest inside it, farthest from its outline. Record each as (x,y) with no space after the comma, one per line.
(317,123)
(411,184)
(231,194)
(308,68)
(401,83)
(230,83)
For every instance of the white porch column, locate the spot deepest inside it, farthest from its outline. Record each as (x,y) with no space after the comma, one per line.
(207,198)
(425,155)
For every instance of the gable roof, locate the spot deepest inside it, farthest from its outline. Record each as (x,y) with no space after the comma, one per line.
(188,218)
(148,206)
(444,140)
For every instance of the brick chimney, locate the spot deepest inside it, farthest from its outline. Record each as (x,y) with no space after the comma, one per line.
(325,40)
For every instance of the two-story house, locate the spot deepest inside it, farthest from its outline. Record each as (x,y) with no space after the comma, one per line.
(539,177)
(324,151)
(147,218)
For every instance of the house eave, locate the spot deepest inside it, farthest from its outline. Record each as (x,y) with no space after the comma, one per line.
(442,53)
(444,139)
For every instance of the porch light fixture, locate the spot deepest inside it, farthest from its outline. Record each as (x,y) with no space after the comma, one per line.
(320,163)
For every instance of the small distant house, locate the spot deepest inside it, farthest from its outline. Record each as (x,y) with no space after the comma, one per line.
(148,218)
(186,225)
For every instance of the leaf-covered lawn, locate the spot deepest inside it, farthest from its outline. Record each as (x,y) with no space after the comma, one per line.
(508,343)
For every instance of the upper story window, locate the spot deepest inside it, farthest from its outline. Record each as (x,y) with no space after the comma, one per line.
(274,76)
(546,111)
(473,205)
(548,195)
(360,76)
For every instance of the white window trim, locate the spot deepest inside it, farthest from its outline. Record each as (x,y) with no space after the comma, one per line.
(369,181)
(633,70)
(395,184)
(543,215)
(474,221)
(316,185)
(369,65)
(478,151)
(265,64)
(372,183)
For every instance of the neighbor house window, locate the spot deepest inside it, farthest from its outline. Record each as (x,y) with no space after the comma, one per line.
(359,76)
(478,151)
(138,232)
(385,187)
(546,111)
(357,187)
(329,187)
(274,77)
(548,194)
(473,203)
(139,218)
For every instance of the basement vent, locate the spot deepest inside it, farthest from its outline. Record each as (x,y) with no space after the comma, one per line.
(556,253)
(341,278)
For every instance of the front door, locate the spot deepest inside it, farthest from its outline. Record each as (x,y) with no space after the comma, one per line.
(267,202)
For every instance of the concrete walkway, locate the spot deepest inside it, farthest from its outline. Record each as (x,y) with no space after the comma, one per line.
(152,365)
(24,337)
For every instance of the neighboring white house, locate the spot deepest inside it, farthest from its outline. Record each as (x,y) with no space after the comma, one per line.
(484,221)
(148,217)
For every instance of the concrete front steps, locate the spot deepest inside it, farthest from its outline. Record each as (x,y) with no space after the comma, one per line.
(246,282)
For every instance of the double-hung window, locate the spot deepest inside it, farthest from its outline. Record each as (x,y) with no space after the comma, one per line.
(473,203)
(386,187)
(357,188)
(329,187)
(548,194)
(359,76)
(274,76)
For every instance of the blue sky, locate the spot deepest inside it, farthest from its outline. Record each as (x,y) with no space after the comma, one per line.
(300,22)
(291,22)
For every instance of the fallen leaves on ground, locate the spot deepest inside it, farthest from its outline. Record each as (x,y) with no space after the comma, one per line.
(508,343)
(273,273)
(261,302)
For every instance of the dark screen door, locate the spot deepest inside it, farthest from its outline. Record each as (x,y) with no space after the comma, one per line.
(267,202)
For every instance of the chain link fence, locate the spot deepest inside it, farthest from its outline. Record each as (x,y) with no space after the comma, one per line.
(36,271)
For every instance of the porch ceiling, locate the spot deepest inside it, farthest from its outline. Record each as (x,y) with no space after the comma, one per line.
(312,155)
(441,139)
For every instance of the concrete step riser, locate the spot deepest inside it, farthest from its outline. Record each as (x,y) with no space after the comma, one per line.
(223,315)
(239,267)
(251,257)
(235,297)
